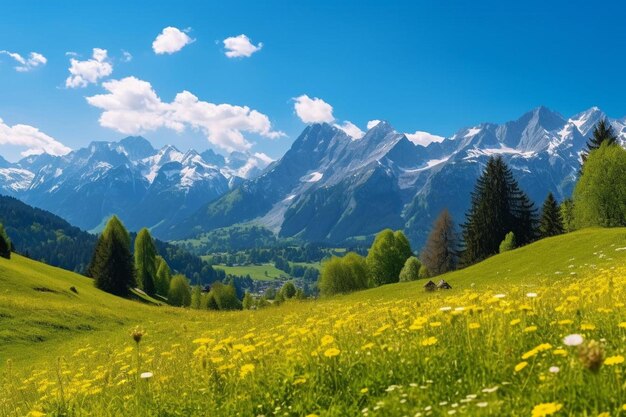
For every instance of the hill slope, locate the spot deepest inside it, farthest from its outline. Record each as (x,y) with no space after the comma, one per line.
(483,348)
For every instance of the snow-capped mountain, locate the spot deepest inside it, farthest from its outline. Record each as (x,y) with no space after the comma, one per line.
(330,187)
(146,187)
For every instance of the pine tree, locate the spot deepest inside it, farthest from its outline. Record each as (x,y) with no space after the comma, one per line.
(112,265)
(440,252)
(5,243)
(551,223)
(498,206)
(602,133)
(145,261)
(163,277)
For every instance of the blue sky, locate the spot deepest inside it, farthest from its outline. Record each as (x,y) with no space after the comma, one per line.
(432,66)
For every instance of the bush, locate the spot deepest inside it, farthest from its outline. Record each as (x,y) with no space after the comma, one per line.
(288,290)
(180,292)
(225,297)
(424,273)
(411,269)
(508,243)
(5,243)
(248,301)
(343,275)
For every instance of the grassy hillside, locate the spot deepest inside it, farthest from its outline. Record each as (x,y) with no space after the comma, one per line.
(491,346)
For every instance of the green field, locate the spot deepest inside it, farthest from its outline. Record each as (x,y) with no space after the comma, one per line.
(491,346)
(264,272)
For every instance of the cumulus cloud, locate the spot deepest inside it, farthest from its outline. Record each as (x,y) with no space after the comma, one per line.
(83,73)
(240,46)
(313,110)
(126,56)
(170,40)
(423,138)
(34,60)
(372,123)
(131,106)
(31,138)
(351,129)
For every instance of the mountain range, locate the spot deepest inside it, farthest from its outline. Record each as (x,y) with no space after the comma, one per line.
(329,186)
(146,187)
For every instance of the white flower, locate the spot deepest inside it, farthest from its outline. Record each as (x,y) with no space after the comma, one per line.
(531,294)
(499,296)
(490,390)
(554,369)
(482,405)
(573,340)
(445,309)
(146,375)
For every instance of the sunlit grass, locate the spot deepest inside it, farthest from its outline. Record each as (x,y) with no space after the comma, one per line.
(493,345)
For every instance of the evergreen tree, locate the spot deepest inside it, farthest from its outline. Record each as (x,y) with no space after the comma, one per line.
(145,261)
(112,265)
(440,252)
(551,223)
(498,206)
(5,243)
(567,214)
(180,291)
(602,133)
(163,277)
(387,256)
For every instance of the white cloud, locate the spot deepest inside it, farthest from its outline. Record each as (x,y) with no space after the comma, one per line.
(170,40)
(372,123)
(423,138)
(240,46)
(31,138)
(351,129)
(313,110)
(264,158)
(131,106)
(126,56)
(34,60)
(83,73)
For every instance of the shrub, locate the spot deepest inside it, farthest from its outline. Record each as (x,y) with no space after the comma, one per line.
(180,292)
(343,275)
(411,269)
(387,256)
(288,290)
(508,243)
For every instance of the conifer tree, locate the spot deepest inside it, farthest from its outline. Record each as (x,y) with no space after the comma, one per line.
(551,223)
(440,252)
(5,243)
(498,206)
(145,261)
(112,265)
(602,133)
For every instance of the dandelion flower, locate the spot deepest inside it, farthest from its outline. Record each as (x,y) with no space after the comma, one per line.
(429,341)
(622,325)
(546,409)
(246,369)
(474,325)
(137,334)
(587,326)
(573,340)
(614,360)
(521,366)
(332,352)
(530,329)
(514,322)
(327,340)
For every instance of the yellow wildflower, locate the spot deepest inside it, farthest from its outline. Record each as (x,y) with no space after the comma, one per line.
(327,340)
(332,352)
(521,366)
(429,341)
(614,360)
(246,369)
(546,409)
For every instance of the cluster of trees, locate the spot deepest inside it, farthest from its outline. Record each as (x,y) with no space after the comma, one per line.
(389,257)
